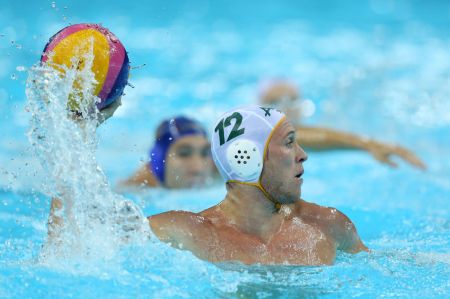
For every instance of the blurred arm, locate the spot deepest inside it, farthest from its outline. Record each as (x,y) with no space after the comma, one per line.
(142,177)
(320,139)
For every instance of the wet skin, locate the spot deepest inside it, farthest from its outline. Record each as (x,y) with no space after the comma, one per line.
(245,226)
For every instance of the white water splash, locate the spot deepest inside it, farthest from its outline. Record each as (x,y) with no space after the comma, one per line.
(96,220)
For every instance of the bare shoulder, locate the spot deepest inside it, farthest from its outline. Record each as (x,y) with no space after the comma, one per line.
(177,226)
(336,223)
(174,219)
(170,216)
(327,214)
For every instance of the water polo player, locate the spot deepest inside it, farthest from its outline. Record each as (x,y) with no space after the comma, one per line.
(262,218)
(179,158)
(284,95)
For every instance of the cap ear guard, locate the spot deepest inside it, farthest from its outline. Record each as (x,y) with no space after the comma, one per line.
(245,159)
(239,141)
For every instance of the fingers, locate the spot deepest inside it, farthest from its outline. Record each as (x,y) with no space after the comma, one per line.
(384,158)
(109,111)
(114,105)
(385,153)
(410,157)
(413,160)
(389,162)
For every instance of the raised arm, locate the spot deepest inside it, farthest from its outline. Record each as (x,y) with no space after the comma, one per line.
(60,216)
(60,219)
(55,221)
(319,139)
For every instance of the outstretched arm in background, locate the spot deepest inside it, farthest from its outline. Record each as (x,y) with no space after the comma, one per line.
(142,177)
(314,138)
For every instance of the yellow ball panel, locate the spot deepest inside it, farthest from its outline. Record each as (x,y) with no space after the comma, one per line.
(74,48)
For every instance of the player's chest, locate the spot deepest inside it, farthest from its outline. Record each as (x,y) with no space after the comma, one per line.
(302,243)
(295,243)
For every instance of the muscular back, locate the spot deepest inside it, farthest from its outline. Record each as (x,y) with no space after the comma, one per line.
(309,235)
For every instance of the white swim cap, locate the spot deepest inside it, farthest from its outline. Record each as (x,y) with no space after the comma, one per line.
(240,140)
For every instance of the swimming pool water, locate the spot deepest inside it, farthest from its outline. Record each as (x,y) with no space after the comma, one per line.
(409,242)
(369,67)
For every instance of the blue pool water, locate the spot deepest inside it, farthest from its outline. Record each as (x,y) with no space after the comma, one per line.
(380,68)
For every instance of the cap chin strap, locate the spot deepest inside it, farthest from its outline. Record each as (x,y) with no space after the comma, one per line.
(276,203)
(258,185)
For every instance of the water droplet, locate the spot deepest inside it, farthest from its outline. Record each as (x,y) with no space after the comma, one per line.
(113,38)
(170,138)
(13,77)
(20,68)
(53,4)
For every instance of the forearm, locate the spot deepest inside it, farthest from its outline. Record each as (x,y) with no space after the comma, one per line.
(142,177)
(55,220)
(327,139)
(59,218)
(313,138)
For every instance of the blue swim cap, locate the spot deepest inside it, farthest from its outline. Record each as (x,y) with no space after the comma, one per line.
(168,132)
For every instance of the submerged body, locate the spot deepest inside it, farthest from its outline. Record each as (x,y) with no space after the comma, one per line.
(300,234)
(261,220)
